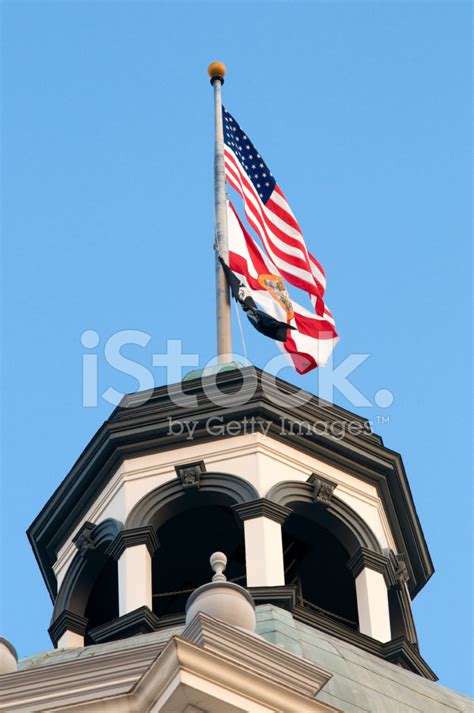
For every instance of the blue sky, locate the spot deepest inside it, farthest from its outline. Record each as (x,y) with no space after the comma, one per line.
(362,111)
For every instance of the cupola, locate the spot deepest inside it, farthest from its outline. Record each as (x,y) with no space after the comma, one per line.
(315,519)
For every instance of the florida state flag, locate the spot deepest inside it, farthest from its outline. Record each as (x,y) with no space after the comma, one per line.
(256,284)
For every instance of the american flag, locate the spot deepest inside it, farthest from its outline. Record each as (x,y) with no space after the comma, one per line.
(309,340)
(271,217)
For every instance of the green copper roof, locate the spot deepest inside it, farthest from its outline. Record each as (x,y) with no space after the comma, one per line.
(361,682)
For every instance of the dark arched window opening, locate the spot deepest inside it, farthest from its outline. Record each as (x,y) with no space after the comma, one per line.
(316,562)
(181,562)
(102,605)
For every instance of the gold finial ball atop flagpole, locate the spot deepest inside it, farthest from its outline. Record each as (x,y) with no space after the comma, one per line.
(216,70)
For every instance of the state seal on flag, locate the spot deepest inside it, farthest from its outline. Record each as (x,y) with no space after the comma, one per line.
(277,289)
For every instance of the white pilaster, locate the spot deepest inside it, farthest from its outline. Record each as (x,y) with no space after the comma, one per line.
(134,578)
(372,604)
(70,640)
(263,552)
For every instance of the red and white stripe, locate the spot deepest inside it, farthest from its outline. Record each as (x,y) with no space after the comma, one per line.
(280,234)
(314,337)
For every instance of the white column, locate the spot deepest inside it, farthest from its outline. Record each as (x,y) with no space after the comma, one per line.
(70,640)
(263,552)
(372,604)
(134,579)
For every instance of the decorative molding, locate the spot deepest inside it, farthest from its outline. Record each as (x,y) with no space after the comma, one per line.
(92,537)
(262,507)
(84,540)
(400,651)
(85,567)
(338,517)
(170,498)
(67,621)
(102,679)
(105,531)
(323,489)
(401,569)
(167,620)
(283,597)
(401,616)
(144,535)
(138,621)
(372,560)
(268,661)
(190,474)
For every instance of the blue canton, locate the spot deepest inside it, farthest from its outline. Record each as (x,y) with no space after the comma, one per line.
(254,165)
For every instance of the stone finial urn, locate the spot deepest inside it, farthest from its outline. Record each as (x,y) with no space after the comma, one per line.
(222,599)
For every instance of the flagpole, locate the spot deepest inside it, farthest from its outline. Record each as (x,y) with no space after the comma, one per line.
(216,71)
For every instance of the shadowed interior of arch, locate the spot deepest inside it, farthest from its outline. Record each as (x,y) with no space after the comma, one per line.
(103,603)
(316,562)
(187,540)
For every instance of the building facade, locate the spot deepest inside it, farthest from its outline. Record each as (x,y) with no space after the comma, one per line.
(324,555)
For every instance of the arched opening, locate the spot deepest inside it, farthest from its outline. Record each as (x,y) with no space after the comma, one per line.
(320,536)
(316,562)
(187,539)
(170,499)
(90,587)
(191,523)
